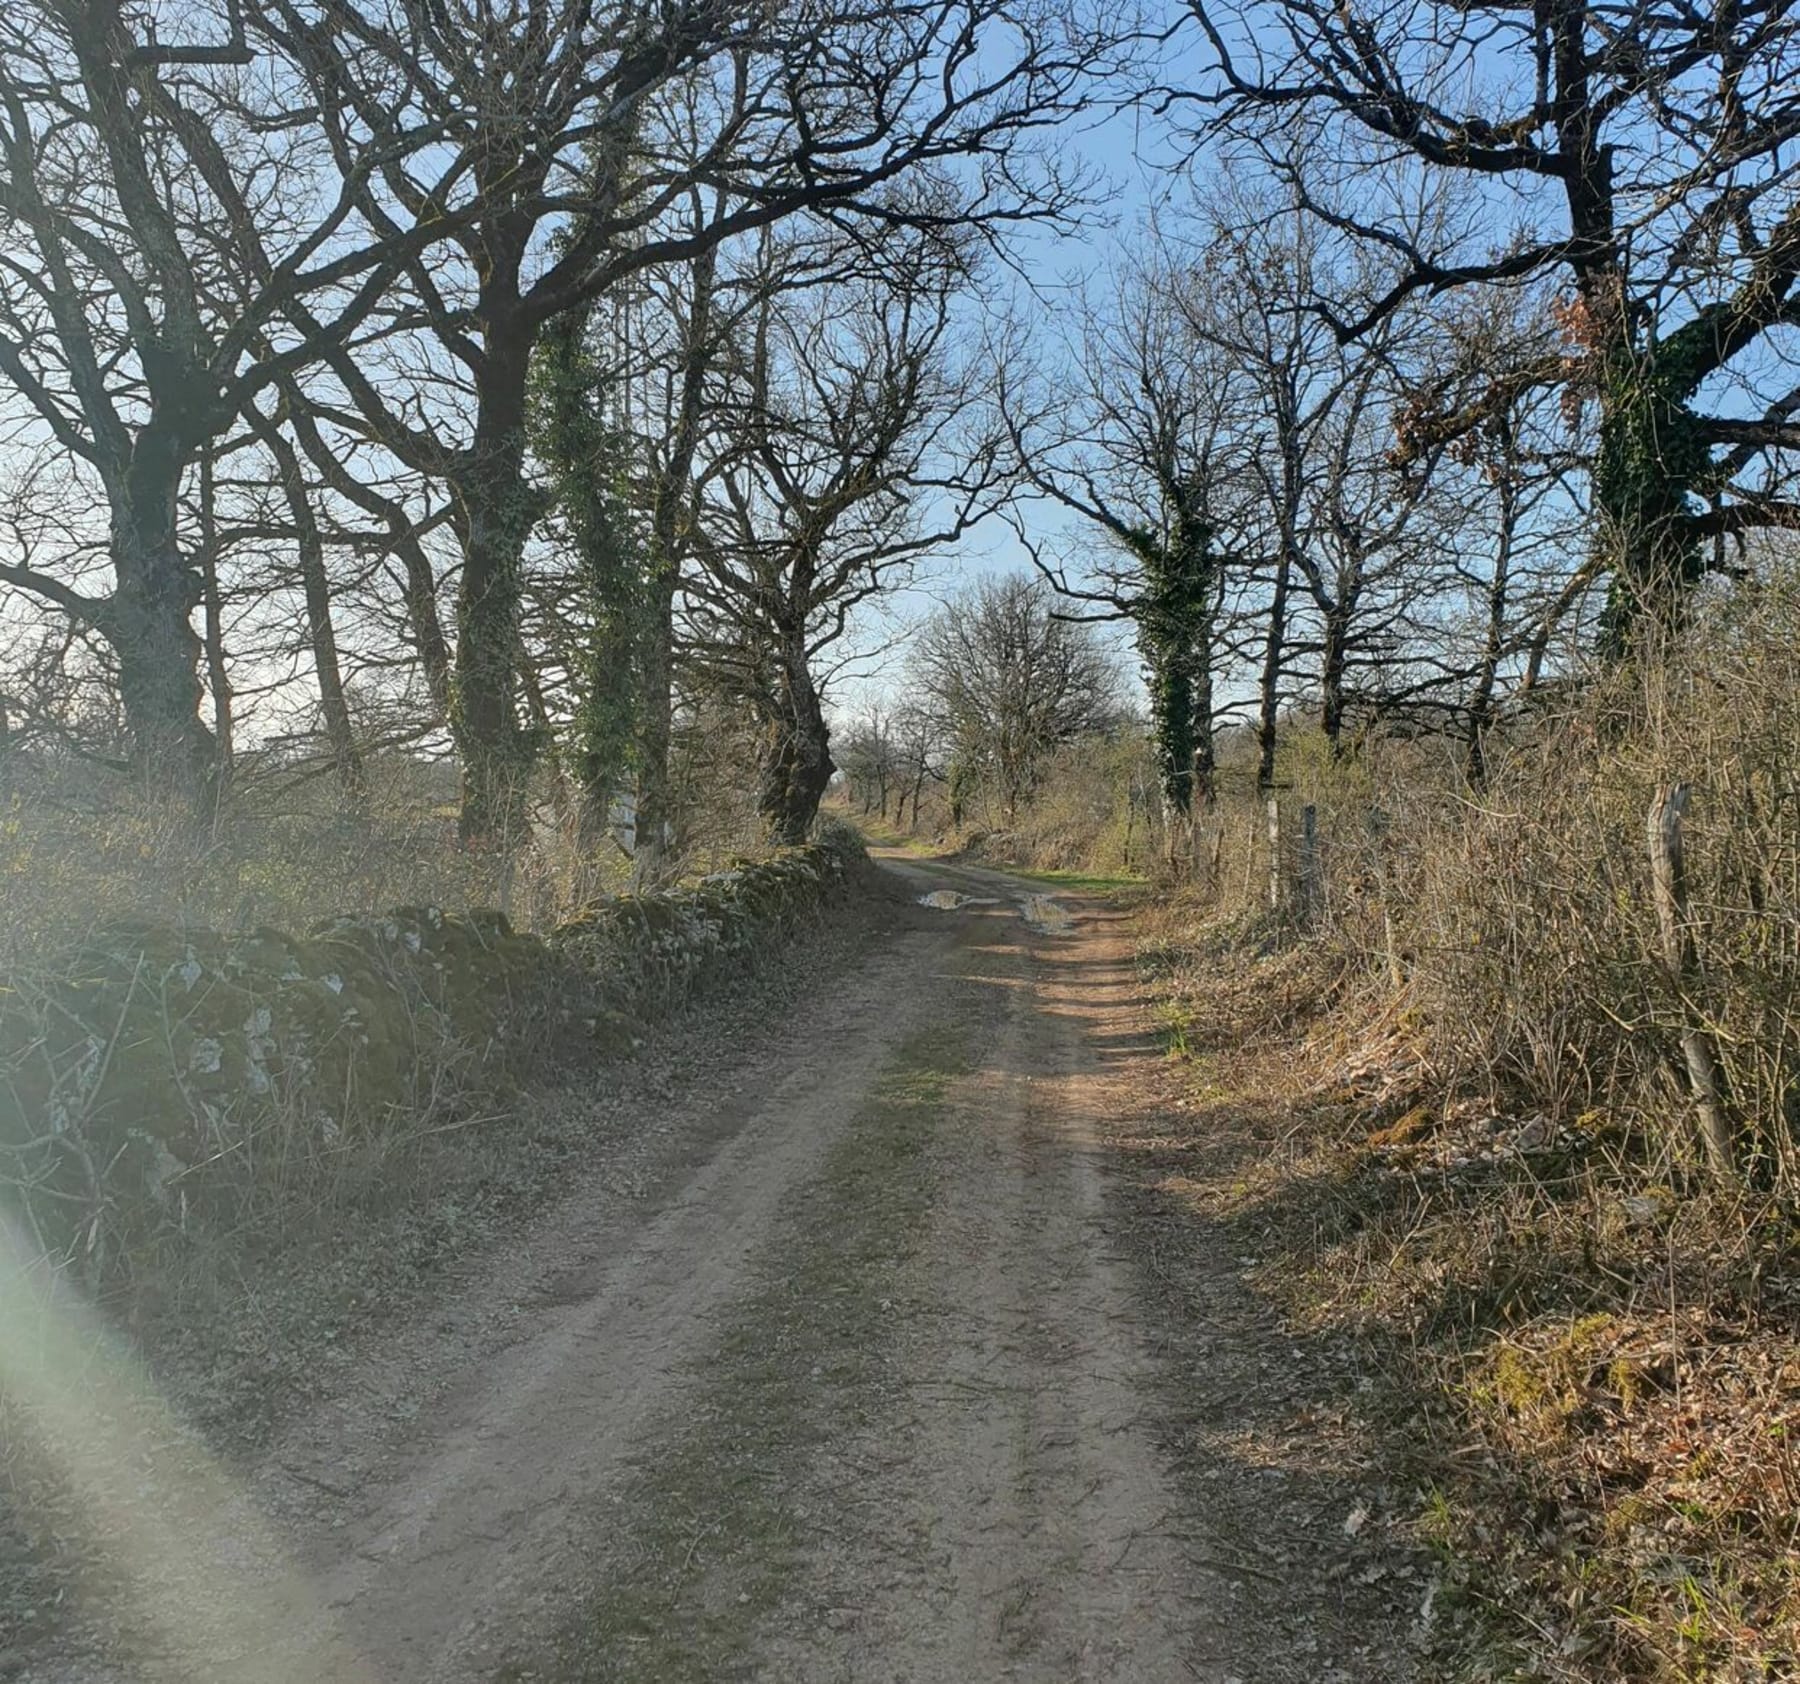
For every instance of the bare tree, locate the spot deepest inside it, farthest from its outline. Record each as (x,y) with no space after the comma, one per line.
(1134,431)
(1506,499)
(868,761)
(163,228)
(1640,157)
(836,453)
(1014,681)
(1244,300)
(567,126)
(321,628)
(1341,556)
(666,333)
(918,743)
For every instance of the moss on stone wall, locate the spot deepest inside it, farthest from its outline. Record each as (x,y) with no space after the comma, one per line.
(152,1073)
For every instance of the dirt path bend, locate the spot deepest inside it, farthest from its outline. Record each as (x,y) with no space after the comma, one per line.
(841,1375)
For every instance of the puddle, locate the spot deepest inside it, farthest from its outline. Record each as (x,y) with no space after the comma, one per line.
(1043,912)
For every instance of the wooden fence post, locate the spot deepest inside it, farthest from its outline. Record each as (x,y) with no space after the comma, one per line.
(1272,812)
(1681,966)
(1378,825)
(1312,870)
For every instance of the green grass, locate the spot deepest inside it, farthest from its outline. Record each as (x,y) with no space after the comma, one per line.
(1081,881)
(878,833)
(1172,1022)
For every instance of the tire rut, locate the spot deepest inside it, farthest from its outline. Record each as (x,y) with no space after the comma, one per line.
(835,1376)
(358,1549)
(1012,1519)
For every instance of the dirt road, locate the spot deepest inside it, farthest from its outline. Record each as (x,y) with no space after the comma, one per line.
(844,1373)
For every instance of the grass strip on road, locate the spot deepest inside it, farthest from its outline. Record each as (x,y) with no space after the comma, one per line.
(712,1537)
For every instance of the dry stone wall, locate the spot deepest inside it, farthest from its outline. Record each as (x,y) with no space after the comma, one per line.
(150,1073)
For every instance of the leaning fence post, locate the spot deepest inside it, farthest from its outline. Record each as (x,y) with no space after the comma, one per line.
(1681,966)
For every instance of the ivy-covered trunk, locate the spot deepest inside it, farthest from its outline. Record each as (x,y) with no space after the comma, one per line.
(1650,457)
(1175,637)
(668,514)
(1181,699)
(960,782)
(1172,725)
(797,766)
(605,726)
(589,457)
(1650,463)
(495,512)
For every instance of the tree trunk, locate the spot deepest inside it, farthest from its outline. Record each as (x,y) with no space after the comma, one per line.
(668,511)
(321,634)
(496,511)
(149,625)
(1206,762)
(1277,877)
(1333,658)
(1175,638)
(607,725)
(1269,688)
(1650,457)
(422,613)
(1292,491)
(571,806)
(578,437)
(1481,700)
(218,675)
(418,581)
(656,728)
(798,768)
(1172,721)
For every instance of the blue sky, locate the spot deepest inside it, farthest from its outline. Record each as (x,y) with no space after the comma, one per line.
(1136,163)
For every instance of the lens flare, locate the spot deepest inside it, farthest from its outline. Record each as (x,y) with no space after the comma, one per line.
(210,1590)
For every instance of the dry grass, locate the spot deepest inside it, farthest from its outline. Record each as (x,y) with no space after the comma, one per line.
(78,849)
(1593,1374)
(225,1027)
(1444,1094)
